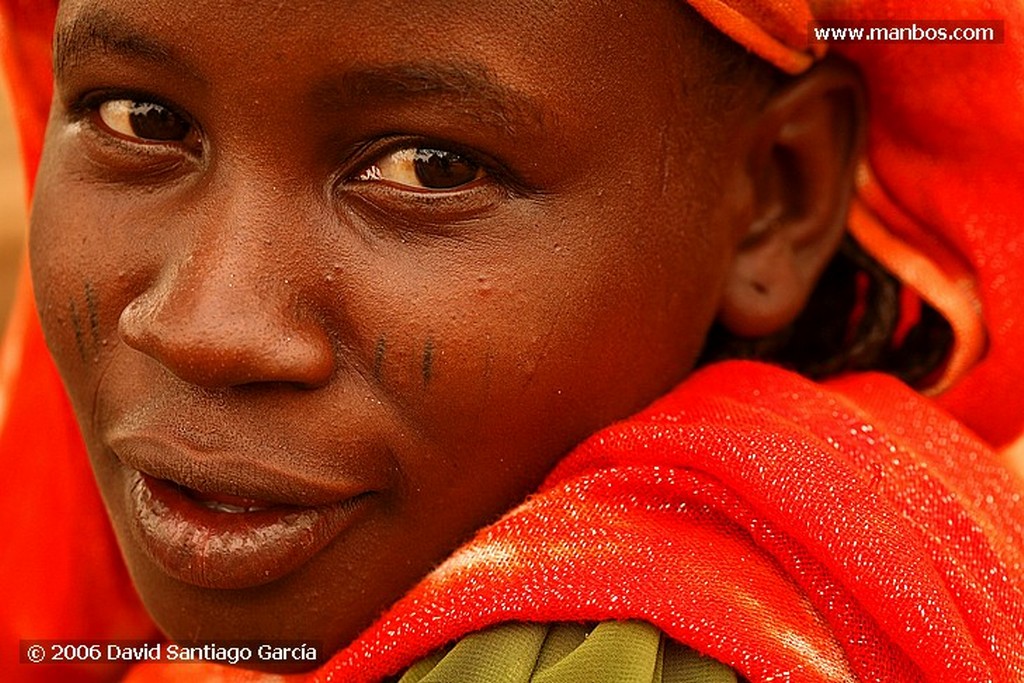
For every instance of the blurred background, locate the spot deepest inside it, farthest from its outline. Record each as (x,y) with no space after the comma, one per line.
(12,206)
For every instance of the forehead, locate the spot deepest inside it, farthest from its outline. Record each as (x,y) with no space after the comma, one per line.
(319,22)
(526,46)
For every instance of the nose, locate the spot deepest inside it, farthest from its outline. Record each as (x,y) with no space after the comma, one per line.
(215,318)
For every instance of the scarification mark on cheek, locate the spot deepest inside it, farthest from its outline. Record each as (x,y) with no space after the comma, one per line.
(428,362)
(76,323)
(378,358)
(94,320)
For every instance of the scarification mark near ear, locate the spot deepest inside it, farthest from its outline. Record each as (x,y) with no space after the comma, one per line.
(94,320)
(76,323)
(378,358)
(428,361)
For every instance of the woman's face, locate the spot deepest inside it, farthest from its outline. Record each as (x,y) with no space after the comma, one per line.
(332,285)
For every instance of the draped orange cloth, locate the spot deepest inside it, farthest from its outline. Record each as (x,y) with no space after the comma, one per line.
(940,191)
(847,531)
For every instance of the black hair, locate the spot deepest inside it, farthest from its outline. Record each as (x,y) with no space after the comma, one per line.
(849,323)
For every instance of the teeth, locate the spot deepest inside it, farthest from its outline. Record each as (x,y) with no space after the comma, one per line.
(217,506)
(232,505)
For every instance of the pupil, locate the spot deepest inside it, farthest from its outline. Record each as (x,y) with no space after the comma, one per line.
(443,170)
(152,122)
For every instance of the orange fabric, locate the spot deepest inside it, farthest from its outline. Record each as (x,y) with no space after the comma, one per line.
(946,155)
(60,568)
(948,288)
(851,532)
(790,530)
(777,528)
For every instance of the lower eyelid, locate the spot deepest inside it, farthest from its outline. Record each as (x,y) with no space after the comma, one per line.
(140,148)
(425,196)
(109,158)
(426,191)
(384,201)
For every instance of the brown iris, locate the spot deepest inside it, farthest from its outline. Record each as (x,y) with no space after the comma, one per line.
(443,170)
(146,121)
(424,168)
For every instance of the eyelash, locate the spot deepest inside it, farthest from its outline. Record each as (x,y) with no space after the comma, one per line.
(415,211)
(491,180)
(364,159)
(88,108)
(426,169)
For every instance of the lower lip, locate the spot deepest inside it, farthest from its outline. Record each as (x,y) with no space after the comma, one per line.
(228,550)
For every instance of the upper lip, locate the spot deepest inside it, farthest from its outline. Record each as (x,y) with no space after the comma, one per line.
(246,475)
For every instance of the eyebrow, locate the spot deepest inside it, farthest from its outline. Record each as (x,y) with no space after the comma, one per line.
(105,32)
(470,86)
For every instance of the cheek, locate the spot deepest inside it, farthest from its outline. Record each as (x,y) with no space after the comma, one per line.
(65,292)
(76,271)
(554,335)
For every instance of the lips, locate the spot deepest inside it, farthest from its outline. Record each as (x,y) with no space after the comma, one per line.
(226,541)
(230,504)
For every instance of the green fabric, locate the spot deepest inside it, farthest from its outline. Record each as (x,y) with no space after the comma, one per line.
(613,651)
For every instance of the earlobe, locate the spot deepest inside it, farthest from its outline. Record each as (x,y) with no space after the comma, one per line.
(800,164)
(765,289)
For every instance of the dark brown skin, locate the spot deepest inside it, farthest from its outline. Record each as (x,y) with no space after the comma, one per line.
(265,298)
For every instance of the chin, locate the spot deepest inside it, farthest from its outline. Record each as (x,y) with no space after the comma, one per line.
(275,616)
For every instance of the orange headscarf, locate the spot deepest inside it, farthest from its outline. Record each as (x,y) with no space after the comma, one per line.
(941,190)
(857,530)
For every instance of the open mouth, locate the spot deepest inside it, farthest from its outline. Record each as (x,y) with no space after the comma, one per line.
(225,502)
(218,540)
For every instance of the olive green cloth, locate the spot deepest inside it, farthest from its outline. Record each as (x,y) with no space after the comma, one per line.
(614,651)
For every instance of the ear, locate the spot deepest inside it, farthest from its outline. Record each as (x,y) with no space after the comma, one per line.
(799,174)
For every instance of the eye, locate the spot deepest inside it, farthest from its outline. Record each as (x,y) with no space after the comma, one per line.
(143,121)
(424,169)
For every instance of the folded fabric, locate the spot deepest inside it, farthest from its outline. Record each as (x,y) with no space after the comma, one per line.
(793,531)
(849,532)
(940,193)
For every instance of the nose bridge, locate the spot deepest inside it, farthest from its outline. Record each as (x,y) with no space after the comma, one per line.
(232,242)
(228,305)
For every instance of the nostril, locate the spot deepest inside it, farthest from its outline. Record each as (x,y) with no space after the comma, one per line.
(304,357)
